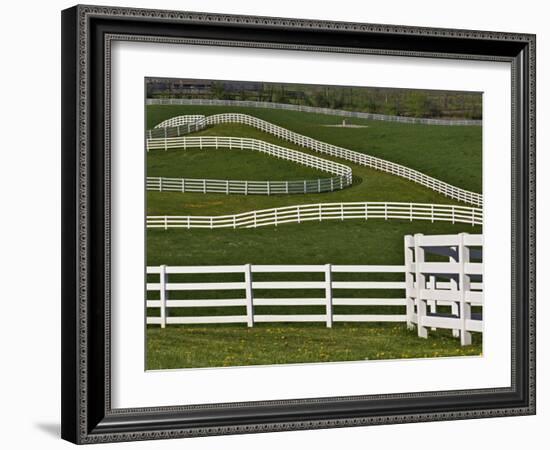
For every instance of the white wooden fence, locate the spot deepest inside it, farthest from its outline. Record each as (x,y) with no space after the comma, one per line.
(177,126)
(313,109)
(249,287)
(244,187)
(427,287)
(322,147)
(342,172)
(456,283)
(325,211)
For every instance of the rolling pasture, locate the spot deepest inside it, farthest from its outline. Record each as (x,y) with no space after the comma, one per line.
(452,154)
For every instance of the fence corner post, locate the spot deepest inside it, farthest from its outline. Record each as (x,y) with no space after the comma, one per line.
(328,293)
(249,295)
(162,289)
(421,304)
(465,308)
(409,281)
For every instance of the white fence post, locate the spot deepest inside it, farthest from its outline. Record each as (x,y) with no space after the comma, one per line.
(328,293)
(162,282)
(249,295)
(454,287)
(409,281)
(464,286)
(432,303)
(421,307)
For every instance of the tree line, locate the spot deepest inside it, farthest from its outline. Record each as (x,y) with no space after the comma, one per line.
(401,102)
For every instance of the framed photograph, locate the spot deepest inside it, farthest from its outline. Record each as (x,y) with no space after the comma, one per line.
(278,224)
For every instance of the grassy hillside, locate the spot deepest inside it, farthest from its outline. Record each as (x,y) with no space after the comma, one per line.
(368,184)
(452,154)
(449,153)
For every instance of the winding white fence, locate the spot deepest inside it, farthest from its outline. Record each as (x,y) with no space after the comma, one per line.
(313,109)
(322,147)
(325,211)
(426,287)
(177,126)
(244,187)
(456,283)
(343,172)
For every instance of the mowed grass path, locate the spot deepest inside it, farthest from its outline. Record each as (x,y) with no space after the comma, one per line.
(449,153)
(225,164)
(233,345)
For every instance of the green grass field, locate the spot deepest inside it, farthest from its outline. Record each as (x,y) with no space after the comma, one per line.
(218,163)
(368,184)
(433,150)
(449,153)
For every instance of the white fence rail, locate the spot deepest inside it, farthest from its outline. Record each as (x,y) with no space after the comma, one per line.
(427,288)
(322,147)
(313,109)
(462,287)
(245,187)
(177,126)
(342,171)
(325,211)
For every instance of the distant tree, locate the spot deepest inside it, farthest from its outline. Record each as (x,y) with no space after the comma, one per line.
(320,99)
(417,103)
(243,95)
(279,95)
(370,104)
(389,109)
(218,90)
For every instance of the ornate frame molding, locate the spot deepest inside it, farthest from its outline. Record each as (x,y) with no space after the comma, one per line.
(87,421)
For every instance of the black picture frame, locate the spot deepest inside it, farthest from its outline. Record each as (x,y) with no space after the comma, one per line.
(87,32)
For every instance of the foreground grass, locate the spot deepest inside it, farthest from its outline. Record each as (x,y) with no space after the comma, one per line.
(194,346)
(449,153)
(348,242)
